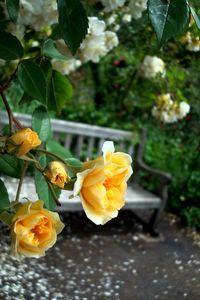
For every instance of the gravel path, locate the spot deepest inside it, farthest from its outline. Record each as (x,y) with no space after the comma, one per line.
(112,262)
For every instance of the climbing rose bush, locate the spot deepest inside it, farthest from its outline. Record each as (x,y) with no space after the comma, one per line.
(169,111)
(152,66)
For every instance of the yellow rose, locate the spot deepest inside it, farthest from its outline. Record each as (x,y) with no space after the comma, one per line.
(56,173)
(102,184)
(34,229)
(23,141)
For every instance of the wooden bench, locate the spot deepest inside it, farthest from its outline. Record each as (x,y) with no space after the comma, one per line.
(85,141)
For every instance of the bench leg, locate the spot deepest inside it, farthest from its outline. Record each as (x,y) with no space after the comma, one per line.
(150,226)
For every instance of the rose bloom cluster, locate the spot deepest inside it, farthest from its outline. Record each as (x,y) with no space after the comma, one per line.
(151,67)
(101,185)
(112,4)
(66,66)
(169,111)
(38,14)
(97,43)
(133,9)
(191,42)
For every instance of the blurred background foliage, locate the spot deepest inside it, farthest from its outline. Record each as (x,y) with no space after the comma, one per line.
(112,94)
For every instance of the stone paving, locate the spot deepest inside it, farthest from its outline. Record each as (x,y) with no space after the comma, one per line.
(115,261)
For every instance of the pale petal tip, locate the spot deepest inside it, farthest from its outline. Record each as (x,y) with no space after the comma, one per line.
(108,147)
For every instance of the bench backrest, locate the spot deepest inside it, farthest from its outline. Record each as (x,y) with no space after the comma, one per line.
(83,140)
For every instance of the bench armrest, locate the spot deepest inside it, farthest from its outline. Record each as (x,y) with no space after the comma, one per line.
(163,176)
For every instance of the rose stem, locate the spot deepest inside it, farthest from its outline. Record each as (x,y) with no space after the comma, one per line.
(21,180)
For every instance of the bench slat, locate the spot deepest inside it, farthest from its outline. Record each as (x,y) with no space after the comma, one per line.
(90,147)
(68,141)
(79,146)
(99,151)
(135,198)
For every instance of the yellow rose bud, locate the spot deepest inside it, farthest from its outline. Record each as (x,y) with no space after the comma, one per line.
(23,141)
(56,173)
(102,184)
(34,229)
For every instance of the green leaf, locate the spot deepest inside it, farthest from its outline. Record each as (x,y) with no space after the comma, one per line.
(60,92)
(59,89)
(58,149)
(4,198)
(196,17)
(73,23)
(49,49)
(168,17)
(13,9)
(10,46)
(43,190)
(74,162)
(10,165)
(41,123)
(6,217)
(32,79)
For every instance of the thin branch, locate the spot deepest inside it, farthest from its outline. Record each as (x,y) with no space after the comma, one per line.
(52,192)
(17,122)
(21,180)
(9,111)
(51,154)
(7,83)
(11,117)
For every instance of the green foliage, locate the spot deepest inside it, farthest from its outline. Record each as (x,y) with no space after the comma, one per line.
(191,216)
(60,91)
(73,22)
(74,162)
(42,188)
(10,46)
(13,9)
(10,165)
(168,18)
(49,49)
(41,123)
(32,80)
(195,16)
(3,196)
(58,149)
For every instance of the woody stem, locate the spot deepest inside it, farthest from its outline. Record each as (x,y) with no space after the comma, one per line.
(52,154)
(21,180)
(8,110)
(52,192)
(11,117)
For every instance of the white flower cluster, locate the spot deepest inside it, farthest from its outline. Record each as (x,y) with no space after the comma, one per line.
(112,4)
(191,43)
(98,41)
(169,111)
(38,14)
(151,66)
(136,8)
(66,66)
